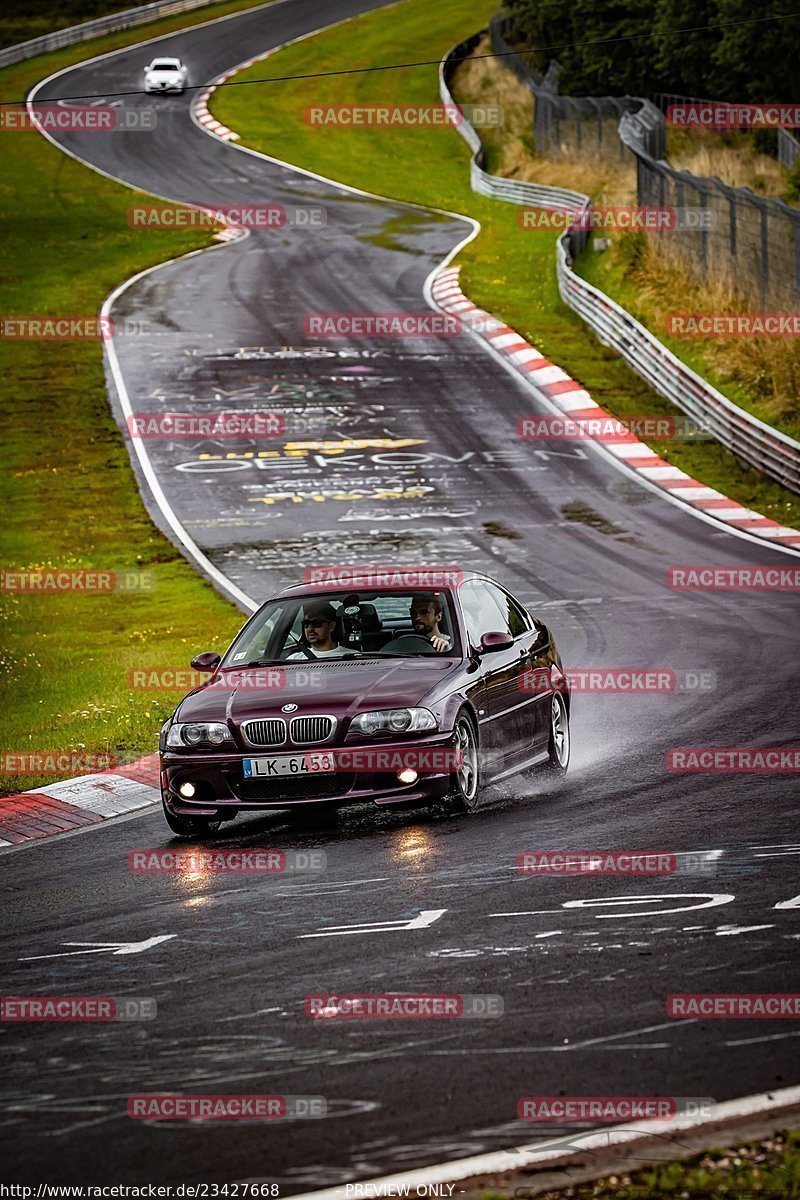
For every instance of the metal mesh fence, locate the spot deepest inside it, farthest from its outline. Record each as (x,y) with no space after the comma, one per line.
(729,236)
(788,148)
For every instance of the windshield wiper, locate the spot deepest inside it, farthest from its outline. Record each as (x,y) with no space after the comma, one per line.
(258,662)
(407,654)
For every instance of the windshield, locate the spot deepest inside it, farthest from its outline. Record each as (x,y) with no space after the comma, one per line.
(166,64)
(338,625)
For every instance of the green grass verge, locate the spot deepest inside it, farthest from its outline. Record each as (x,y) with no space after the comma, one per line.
(68,492)
(508,271)
(768,1168)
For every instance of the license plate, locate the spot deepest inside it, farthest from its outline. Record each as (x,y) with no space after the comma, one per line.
(313,762)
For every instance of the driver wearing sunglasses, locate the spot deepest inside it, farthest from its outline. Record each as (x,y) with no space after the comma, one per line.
(319,630)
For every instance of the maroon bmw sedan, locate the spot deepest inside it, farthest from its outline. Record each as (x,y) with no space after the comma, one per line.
(376,692)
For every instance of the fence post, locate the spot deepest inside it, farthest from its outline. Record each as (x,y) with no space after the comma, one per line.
(764,252)
(704,231)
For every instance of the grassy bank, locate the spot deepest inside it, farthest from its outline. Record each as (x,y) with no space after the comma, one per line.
(68,492)
(507,270)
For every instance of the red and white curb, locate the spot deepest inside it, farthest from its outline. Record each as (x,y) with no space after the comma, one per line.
(200,109)
(576,403)
(85,800)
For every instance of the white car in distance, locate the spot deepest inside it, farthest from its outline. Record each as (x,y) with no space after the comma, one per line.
(165,75)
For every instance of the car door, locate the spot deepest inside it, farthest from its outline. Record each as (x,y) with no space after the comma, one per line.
(500,726)
(533,681)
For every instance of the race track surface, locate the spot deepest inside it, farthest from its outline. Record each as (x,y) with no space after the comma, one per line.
(446,482)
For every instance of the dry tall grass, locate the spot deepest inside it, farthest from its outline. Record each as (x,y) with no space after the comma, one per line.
(706,153)
(767,368)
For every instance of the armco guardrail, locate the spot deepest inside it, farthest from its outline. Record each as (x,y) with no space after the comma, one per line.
(90,29)
(765,448)
(512,190)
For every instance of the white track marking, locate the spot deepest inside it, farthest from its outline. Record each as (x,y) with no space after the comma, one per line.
(425,919)
(106,947)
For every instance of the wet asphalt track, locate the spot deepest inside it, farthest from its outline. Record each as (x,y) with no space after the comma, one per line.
(584,547)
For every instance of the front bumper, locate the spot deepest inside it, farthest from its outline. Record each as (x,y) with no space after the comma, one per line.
(220,785)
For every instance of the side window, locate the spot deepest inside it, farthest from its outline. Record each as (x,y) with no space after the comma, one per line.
(481,613)
(514,618)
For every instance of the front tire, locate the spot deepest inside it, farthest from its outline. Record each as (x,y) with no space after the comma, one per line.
(465,782)
(190,827)
(559,743)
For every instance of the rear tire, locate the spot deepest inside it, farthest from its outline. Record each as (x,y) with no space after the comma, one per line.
(191,827)
(559,743)
(465,783)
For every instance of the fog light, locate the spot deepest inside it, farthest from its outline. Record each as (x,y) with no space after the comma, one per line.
(187,790)
(407,775)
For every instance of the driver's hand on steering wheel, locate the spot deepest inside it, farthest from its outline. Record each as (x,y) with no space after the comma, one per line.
(439,644)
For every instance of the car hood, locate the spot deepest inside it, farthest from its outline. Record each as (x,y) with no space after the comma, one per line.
(341,689)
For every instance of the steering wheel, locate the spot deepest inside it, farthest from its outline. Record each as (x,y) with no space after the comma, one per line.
(401,645)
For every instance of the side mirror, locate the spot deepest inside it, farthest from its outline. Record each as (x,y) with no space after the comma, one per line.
(492,642)
(207,661)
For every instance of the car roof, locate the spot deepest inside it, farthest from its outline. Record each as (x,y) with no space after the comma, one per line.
(366,582)
(166,59)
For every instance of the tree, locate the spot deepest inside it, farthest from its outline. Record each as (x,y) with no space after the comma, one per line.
(682,62)
(757,61)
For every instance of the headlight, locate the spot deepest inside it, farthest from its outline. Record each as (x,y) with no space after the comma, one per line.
(199,733)
(394,720)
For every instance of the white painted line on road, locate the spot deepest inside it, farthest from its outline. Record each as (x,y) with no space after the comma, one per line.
(733,930)
(106,947)
(500,1161)
(710,900)
(768,1037)
(425,919)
